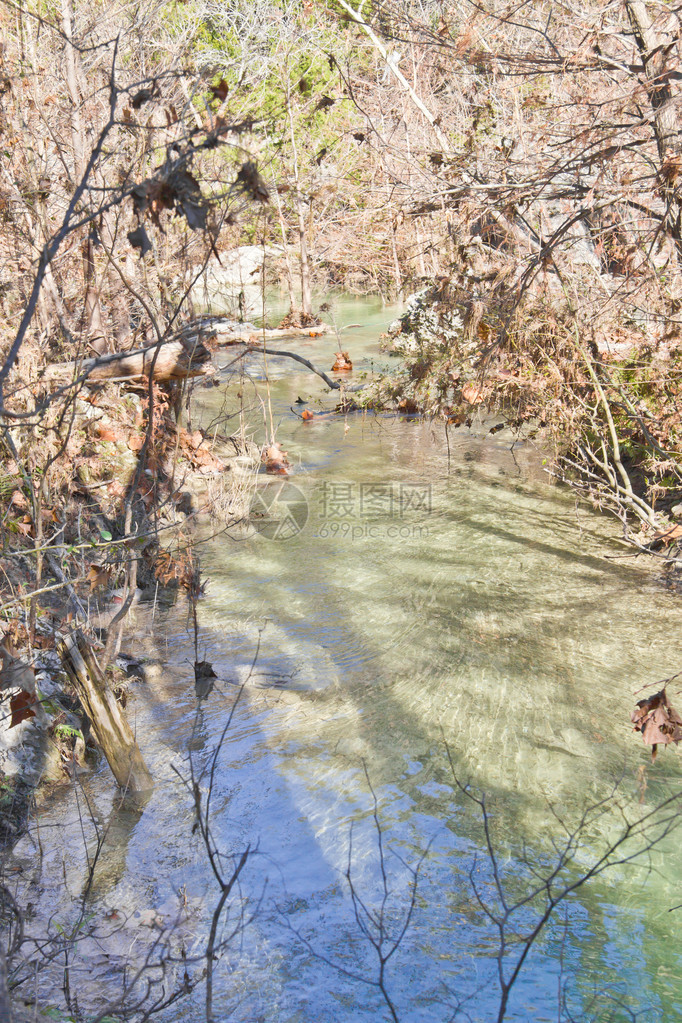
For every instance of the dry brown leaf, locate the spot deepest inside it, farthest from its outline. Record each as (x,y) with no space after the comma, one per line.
(658,721)
(176,567)
(15,639)
(98,576)
(191,440)
(106,433)
(275,459)
(668,535)
(19,500)
(25,527)
(342,363)
(21,706)
(671,167)
(116,489)
(43,642)
(472,393)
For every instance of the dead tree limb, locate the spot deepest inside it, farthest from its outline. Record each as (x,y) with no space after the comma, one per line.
(172,360)
(335,385)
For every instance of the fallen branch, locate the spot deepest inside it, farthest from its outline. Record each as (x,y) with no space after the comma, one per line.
(169,360)
(229,332)
(335,385)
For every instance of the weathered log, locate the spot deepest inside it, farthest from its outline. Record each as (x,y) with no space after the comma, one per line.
(231,336)
(108,722)
(172,360)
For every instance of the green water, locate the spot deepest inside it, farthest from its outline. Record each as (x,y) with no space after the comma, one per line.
(443,616)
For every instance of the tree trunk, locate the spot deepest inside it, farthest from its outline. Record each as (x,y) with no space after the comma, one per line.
(655,57)
(287,260)
(92,312)
(306,296)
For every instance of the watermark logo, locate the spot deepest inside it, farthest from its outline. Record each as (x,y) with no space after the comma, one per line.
(344,510)
(360,511)
(279,510)
(339,501)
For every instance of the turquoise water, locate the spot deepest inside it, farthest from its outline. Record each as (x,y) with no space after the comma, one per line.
(444,617)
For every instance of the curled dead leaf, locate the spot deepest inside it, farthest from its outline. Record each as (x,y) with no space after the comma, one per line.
(658,721)
(21,705)
(472,393)
(342,363)
(668,535)
(98,576)
(275,459)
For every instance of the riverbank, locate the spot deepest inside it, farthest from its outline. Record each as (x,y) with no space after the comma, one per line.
(429,597)
(607,410)
(131,492)
(186,482)
(112,523)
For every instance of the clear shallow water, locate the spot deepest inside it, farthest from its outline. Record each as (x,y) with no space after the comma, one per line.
(435,619)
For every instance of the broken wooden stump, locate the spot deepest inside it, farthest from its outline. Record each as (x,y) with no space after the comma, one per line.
(107,719)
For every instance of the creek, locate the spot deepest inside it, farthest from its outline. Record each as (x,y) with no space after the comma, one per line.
(431,612)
